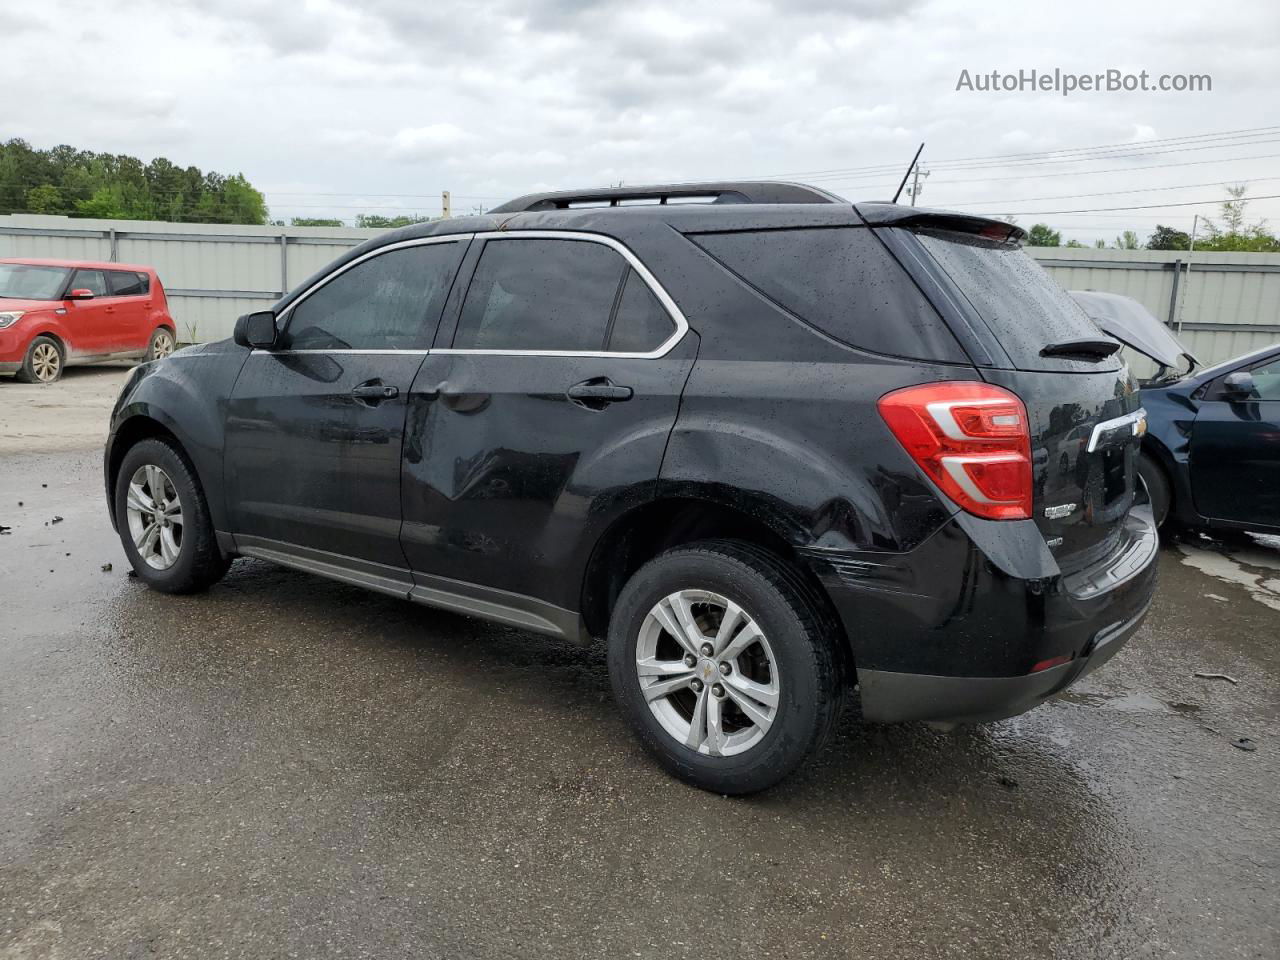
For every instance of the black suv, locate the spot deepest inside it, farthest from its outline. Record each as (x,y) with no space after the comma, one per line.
(773,445)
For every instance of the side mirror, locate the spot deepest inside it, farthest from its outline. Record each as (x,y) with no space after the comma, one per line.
(80,294)
(1239,386)
(257,330)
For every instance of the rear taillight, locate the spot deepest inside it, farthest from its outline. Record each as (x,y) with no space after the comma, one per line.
(972,439)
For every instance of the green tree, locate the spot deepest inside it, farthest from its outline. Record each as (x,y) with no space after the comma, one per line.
(1167,238)
(81,183)
(1100,244)
(377,222)
(1073,243)
(1128,241)
(315,222)
(45,199)
(1041,235)
(1234,234)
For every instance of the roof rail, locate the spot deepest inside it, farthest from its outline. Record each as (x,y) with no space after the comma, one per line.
(744,191)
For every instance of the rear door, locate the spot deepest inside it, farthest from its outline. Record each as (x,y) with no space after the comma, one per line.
(1235,451)
(129,290)
(315,429)
(1083,410)
(545,417)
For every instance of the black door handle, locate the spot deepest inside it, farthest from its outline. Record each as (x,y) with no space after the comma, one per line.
(374,392)
(597,393)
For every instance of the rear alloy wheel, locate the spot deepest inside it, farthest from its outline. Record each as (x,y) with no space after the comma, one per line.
(162,344)
(727,665)
(43,362)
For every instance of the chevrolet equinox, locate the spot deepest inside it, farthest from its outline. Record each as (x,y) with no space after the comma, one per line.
(773,446)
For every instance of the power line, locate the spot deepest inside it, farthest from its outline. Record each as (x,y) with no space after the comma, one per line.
(1106,193)
(1149,206)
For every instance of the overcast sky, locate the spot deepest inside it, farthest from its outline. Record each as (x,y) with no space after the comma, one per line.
(335,108)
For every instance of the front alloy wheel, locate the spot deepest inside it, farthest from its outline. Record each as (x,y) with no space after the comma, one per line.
(707,672)
(154,514)
(46,362)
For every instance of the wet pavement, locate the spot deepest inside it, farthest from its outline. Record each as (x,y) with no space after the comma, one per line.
(290,767)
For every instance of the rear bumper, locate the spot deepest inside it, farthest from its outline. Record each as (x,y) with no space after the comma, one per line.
(955,629)
(892,697)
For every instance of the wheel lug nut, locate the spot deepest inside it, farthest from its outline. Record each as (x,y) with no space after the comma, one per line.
(718,691)
(707,649)
(696,685)
(726,667)
(690,660)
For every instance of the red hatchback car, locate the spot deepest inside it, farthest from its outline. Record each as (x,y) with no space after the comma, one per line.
(58,312)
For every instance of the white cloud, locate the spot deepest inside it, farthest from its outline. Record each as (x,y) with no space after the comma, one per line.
(492,98)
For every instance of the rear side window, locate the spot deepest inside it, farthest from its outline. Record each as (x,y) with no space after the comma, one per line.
(541,294)
(388,302)
(843,281)
(126,283)
(641,324)
(1021,304)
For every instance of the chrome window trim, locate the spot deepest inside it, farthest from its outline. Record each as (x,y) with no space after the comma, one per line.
(673,311)
(282,320)
(340,350)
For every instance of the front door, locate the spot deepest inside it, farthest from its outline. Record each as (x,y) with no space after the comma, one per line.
(91,323)
(1235,451)
(545,419)
(315,429)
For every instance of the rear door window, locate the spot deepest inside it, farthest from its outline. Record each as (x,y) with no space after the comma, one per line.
(126,283)
(541,294)
(1022,306)
(641,324)
(843,281)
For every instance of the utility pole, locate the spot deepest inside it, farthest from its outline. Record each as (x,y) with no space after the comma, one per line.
(447,212)
(915,183)
(1195,223)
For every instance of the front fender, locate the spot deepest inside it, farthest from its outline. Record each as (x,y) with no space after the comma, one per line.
(185,394)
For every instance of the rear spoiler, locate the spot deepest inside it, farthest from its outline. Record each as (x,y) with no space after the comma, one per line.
(896,215)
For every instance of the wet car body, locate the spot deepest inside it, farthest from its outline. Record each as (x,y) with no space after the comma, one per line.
(482,486)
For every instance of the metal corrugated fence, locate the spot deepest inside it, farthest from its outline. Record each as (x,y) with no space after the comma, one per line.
(1228,303)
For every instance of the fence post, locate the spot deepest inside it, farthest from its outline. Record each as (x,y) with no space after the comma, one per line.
(114,242)
(1173,295)
(284,264)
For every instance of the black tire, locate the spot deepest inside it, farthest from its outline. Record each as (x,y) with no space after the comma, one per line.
(1158,488)
(167,342)
(800,632)
(199,563)
(34,364)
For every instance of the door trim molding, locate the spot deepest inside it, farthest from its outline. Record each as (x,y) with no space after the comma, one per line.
(459,596)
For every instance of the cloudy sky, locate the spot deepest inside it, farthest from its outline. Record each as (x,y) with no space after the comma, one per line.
(334,108)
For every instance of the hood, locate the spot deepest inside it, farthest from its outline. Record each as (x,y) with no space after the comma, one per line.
(28,306)
(1133,325)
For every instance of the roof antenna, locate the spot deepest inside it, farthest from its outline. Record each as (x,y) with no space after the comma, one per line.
(908,173)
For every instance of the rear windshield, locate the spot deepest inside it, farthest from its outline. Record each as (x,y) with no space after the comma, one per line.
(843,281)
(1025,309)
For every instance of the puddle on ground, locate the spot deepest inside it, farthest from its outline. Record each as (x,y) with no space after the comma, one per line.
(1232,567)
(1139,702)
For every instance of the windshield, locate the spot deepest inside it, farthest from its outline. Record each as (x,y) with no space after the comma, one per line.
(26,281)
(1020,303)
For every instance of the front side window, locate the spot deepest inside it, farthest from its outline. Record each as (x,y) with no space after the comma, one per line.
(29,281)
(388,302)
(541,294)
(126,283)
(1266,380)
(95,281)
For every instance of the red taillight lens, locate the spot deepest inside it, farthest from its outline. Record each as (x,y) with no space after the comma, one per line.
(972,439)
